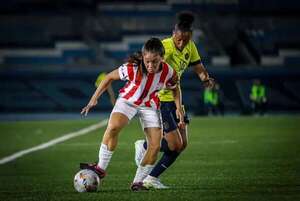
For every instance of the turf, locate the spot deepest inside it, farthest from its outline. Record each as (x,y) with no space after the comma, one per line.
(232,158)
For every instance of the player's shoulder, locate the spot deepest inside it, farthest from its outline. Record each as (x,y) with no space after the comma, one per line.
(191,45)
(191,48)
(167,42)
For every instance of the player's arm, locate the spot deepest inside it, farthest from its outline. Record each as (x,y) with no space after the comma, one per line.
(199,67)
(203,75)
(109,78)
(111,94)
(178,101)
(173,84)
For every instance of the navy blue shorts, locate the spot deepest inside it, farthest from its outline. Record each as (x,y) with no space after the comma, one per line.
(168,114)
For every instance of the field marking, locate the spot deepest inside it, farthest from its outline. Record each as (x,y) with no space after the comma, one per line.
(53,142)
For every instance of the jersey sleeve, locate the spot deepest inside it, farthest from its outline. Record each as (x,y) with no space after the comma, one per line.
(195,57)
(126,72)
(123,72)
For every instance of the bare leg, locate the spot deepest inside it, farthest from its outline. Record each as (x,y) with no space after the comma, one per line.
(154,136)
(174,139)
(184,137)
(116,122)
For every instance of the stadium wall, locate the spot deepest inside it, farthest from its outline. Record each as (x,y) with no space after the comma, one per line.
(69,91)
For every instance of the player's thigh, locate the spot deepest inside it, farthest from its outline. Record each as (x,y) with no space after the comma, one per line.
(121,114)
(183,132)
(117,120)
(116,123)
(168,115)
(151,124)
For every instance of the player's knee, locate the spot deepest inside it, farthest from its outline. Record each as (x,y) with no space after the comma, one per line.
(113,129)
(174,141)
(154,148)
(175,146)
(179,147)
(151,154)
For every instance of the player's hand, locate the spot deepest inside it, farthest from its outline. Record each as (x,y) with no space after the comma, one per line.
(209,83)
(113,101)
(180,116)
(87,108)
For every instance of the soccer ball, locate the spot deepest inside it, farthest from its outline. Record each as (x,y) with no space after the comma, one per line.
(86,181)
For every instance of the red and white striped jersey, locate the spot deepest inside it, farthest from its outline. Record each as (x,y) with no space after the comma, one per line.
(142,89)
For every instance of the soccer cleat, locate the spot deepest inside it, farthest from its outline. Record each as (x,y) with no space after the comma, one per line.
(153,182)
(94,167)
(138,187)
(139,151)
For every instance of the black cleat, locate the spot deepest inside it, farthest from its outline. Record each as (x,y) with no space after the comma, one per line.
(93,166)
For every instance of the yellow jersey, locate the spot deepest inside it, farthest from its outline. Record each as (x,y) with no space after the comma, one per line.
(179,61)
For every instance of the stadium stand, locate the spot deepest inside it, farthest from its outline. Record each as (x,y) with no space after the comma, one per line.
(50,53)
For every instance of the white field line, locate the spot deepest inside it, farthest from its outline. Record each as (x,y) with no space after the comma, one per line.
(53,142)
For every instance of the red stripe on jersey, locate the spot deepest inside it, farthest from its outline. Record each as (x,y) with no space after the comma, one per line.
(139,75)
(164,73)
(130,71)
(153,96)
(138,80)
(146,89)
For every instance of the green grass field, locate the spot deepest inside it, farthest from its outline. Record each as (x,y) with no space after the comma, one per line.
(231,158)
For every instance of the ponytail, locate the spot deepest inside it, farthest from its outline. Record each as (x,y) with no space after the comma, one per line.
(185,20)
(136,58)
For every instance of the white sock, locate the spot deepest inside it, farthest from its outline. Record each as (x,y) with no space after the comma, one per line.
(104,156)
(142,172)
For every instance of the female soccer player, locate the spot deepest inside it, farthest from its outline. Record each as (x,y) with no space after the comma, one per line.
(181,52)
(138,96)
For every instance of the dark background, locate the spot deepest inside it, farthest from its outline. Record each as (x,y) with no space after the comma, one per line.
(51,52)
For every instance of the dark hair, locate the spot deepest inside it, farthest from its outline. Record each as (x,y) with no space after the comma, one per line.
(154,45)
(185,20)
(135,57)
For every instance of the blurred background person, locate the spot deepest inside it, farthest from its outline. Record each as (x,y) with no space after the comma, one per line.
(109,90)
(212,99)
(258,97)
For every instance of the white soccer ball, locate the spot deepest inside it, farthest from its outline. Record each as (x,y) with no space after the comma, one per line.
(86,181)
